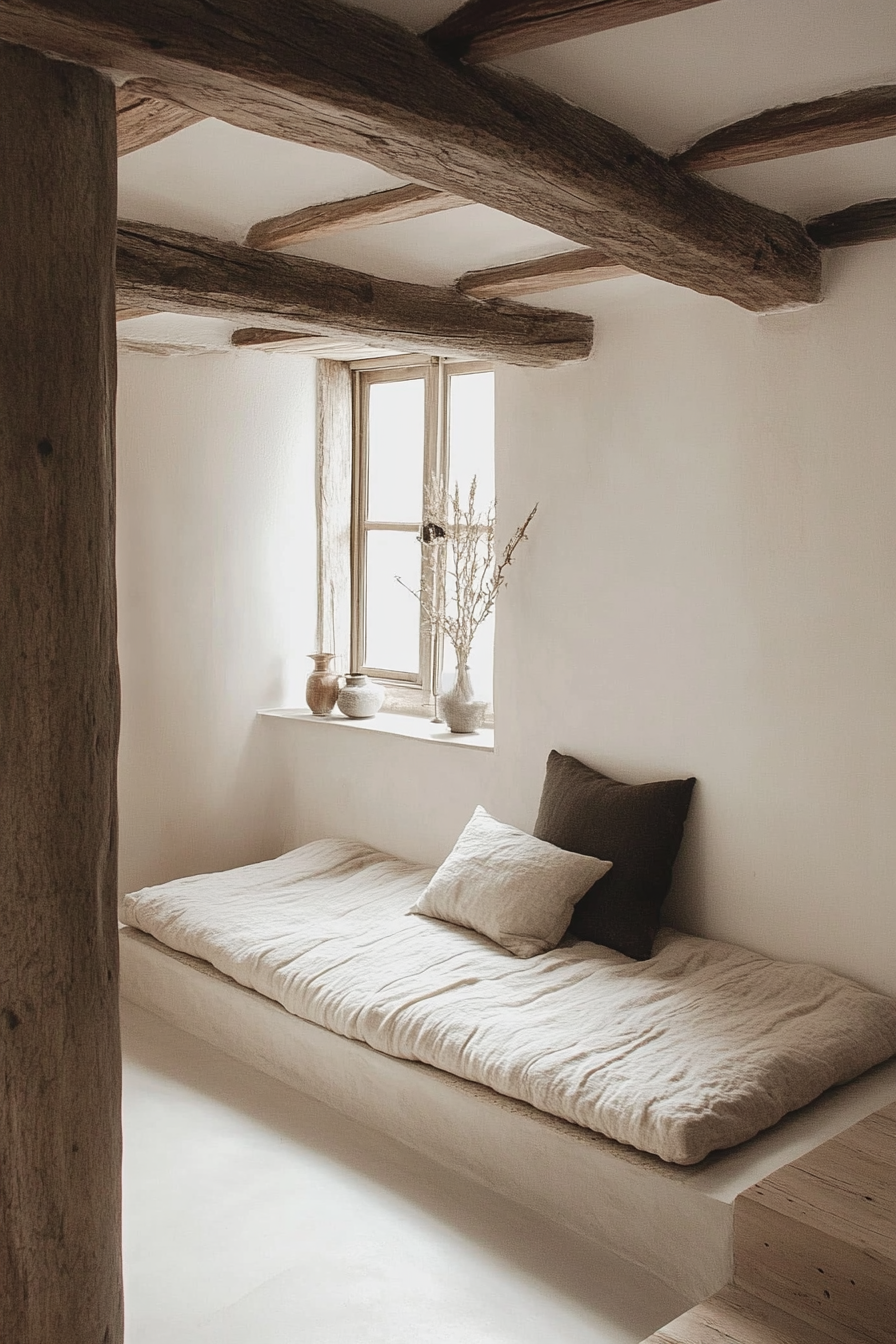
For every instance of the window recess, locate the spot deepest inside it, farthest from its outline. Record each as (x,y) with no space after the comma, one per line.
(417,423)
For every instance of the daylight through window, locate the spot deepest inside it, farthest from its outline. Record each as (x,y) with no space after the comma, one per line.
(416,424)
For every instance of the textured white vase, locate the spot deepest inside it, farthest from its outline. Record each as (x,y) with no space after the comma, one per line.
(360,698)
(460,709)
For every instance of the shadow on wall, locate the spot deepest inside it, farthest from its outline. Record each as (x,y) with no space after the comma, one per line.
(215,795)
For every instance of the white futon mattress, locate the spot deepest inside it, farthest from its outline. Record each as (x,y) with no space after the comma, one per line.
(699,1048)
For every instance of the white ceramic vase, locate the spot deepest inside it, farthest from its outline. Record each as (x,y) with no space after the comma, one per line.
(360,698)
(460,709)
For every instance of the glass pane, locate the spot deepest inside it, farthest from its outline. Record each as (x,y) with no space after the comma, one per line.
(395,451)
(393,614)
(471,434)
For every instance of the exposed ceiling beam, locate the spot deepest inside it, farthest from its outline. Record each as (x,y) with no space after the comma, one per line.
(272,336)
(357,212)
(868,222)
(141,346)
(143,119)
(485,30)
(183,273)
(348,81)
(564,269)
(255,338)
(801,128)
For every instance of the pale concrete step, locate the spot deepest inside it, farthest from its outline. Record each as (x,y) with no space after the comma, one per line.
(817,1238)
(734,1316)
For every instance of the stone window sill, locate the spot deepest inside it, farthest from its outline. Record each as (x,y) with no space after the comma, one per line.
(393,725)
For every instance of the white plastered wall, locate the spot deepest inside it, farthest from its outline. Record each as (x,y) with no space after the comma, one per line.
(714,572)
(709,589)
(216,542)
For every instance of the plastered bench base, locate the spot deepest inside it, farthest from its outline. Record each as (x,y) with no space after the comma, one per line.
(674,1222)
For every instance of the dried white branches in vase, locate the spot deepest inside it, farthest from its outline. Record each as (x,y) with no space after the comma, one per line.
(462,576)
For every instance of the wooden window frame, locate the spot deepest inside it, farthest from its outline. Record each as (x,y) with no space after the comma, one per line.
(408,692)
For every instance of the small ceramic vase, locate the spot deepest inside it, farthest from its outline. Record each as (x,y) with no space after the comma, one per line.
(322,687)
(360,698)
(460,709)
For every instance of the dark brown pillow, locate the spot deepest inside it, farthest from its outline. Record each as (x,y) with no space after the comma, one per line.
(637,826)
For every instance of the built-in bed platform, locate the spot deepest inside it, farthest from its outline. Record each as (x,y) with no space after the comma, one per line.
(325,930)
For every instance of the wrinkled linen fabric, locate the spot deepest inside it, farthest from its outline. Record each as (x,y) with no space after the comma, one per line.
(518,891)
(699,1048)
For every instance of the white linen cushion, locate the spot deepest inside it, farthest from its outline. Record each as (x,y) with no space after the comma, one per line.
(514,889)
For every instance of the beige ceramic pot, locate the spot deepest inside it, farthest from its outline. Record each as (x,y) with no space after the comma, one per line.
(322,687)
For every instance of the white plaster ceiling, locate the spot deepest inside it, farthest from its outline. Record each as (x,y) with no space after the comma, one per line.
(668,80)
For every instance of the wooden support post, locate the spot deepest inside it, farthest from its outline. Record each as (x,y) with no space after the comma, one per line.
(60,1152)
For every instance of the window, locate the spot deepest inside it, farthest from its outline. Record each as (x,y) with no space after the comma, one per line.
(426,422)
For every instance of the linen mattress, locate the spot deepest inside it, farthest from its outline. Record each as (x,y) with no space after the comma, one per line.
(699,1048)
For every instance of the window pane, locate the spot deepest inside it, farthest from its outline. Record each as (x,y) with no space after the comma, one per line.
(471,434)
(395,451)
(393,614)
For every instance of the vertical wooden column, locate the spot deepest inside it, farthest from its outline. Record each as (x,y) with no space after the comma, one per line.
(60,1270)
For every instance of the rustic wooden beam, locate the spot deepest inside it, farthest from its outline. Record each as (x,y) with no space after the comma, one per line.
(868,222)
(60,1060)
(357,212)
(348,81)
(245,336)
(143,347)
(260,338)
(485,30)
(562,269)
(800,128)
(144,120)
(182,273)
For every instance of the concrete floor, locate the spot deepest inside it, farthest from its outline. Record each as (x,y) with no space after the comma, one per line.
(254,1215)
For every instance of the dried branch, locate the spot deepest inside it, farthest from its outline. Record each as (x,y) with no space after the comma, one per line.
(471,575)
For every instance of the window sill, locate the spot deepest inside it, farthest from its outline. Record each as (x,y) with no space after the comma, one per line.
(393,725)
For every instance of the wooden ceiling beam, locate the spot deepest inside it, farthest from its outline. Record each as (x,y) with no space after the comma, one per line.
(868,222)
(357,212)
(143,119)
(801,128)
(144,347)
(563,269)
(260,338)
(486,30)
(182,273)
(271,336)
(347,81)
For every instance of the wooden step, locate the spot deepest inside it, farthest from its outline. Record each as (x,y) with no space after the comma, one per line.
(817,1239)
(737,1317)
